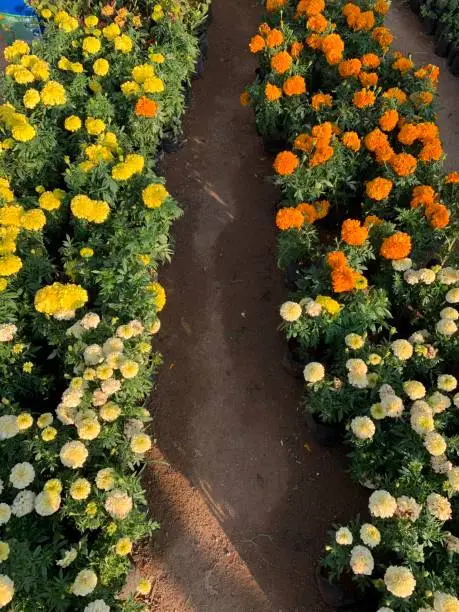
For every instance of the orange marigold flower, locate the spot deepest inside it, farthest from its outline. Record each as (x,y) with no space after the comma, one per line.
(381,7)
(244,98)
(430,71)
(388,120)
(353,233)
(323,132)
(363,98)
(309,7)
(274,38)
(272,92)
(403,64)
(379,188)
(394,93)
(314,41)
(428,131)
(437,215)
(375,139)
(397,246)
(320,99)
(365,21)
(422,195)
(368,79)
(281,62)
(351,141)
(256,44)
(408,133)
(317,23)
(452,177)
(384,154)
(344,279)
(321,207)
(382,36)
(370,60)
(422,98)
(350,9)
(286,163)
(403,164)
(321,155)
(336,260)
(296,49)
(308,211)
(146,107)
(289,218)
(264,29)
(304,142)
(431,151)
(275,5)
(350,68)
(371,220)
(332,46)
(294,86)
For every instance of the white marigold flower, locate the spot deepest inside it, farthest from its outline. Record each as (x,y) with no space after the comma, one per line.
(452,297)
(113,346)
(444,602)
(382,504)
(66,415)
(99,398)
(93,354)
(411,277)
(359,381)
(110,386)
(452,544)
(343,536)
(427,276)
(7,332)
(68,558)
(312,308)
(8,426)
(399,581)
(370,535)
(357,367)
(408,508)
(447,382)
(64,315)
(378,412)
(88,428)
(438,402)
(132,427)
(363,428)
(21,475)
(290,311)
(421,419)
(440,464)
(453,478)
(354,341)
(385,389)
(75,330)
(71,398)
(6,590)
(402,265)
(125,332)
(118,504)
(136,327)
(90,320)
(446,327)
(85,583)
(47,503)
(392,405)
(417,338)
(98,605)
(447,276)
(362,562)
(435,443)
(314,372)
(5,513)
(73,454)
(439,507)
(414,389)
(105,479)
(449,313)
(23,503)
(402,349)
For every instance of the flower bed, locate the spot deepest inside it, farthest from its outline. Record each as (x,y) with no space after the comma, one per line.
(368,226)
(84,227)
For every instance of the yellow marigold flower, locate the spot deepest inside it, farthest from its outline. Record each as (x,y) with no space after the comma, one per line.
(80,489)
(144,587)
(158,12)
(140,443)
(18,48)
(60,300)
(3,284)
(91,21)
(33,220)
(91,45)
(44,420)
(23,76)
(31,98)
(9,265)
(94,127)
(48,434)
(111,31)
(142,72)
(73,454)
(123,43)
(129,88)
(53,94)
(76,67)
(154,195)
(86,252)
(24,421)
(6,590)
(110,412)
(160,295)
(153,85)
(329,304)
(53,486)
(89,210)
(49,201)
(129,368)
(314,372)
(23,132)
(123,546)
(157,58)
(101,67)
(105,479)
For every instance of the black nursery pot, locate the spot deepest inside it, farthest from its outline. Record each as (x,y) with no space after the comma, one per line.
(292,361)
(324,434)
(454,67)
(428,25)
(453,51)
(342,595)
(442,47)
(415,6)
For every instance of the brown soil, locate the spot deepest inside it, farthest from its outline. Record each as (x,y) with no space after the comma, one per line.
(243,494)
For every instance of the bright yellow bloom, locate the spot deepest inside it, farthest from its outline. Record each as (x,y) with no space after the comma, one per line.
(154,195)
(101,67)
(31,98)
(91,45)
(53,94)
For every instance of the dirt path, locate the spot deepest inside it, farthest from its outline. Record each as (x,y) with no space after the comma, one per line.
(244,506)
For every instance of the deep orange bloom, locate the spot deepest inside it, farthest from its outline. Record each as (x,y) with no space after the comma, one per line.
(309,7)
(146,107)
(384,154)
(397,246)
(382,36)
(351,141)
(371,220)
(332,46)
(353,233)
(289,218)
(296,49)
(429,71)
(403,64)
(308,211)
(363,98)
(378,189)
(408,134)
(370,60)
(394,93)
(286,163)
(381,7)
(318,100)
(272,92)
(274,38)
(314,41)
(294,86)
(322,132)
(317,23)
(304,142)
(365,21)
(431,151)
(264,29)
(403,164)
(244,98)
(437,215)
(422,195)
(336,259)
(256,44)
(321,207)
(281,62)
(375,139)
(368,79)
(321,155)
(275,5)
(422,98)
(350,68)
(388,120)
(452,177)
(428,131)
(344,279)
